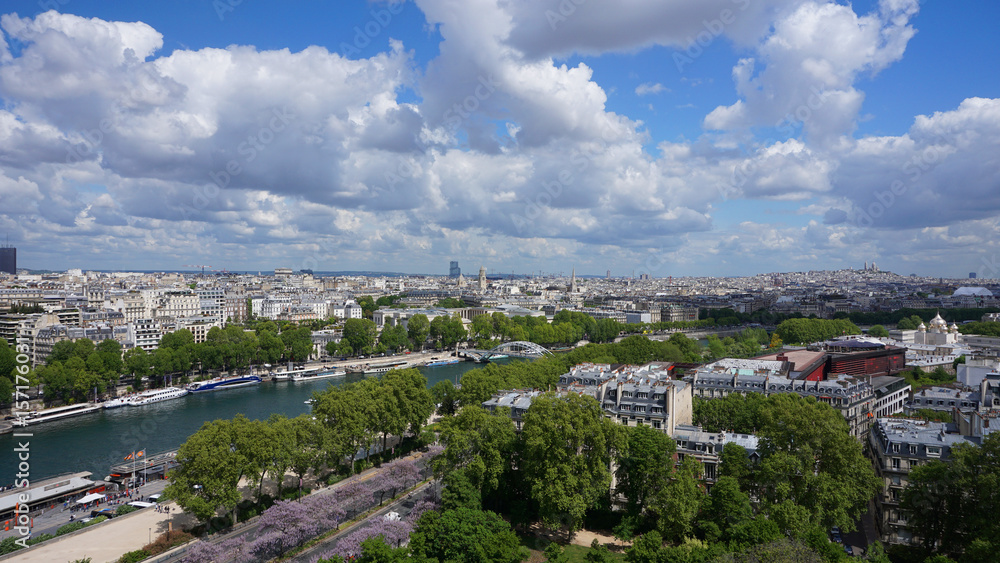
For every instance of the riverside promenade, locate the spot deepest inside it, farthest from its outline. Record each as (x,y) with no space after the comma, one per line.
(107,541)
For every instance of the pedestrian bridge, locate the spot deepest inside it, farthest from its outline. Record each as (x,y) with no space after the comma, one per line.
(517,349)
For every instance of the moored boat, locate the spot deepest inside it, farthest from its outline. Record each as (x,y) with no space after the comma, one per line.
(223,383)
(319,374)
(57,413)
(156,395)
(369,369)
(437,363)
(115,403)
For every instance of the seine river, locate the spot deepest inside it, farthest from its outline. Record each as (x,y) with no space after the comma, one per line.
(95,442)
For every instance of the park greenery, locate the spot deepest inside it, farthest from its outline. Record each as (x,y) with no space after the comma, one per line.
(805,331)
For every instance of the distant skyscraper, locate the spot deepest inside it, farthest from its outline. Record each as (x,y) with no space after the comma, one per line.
(8,259)
(572,282)
(454,271)
(972,275)
(609,275)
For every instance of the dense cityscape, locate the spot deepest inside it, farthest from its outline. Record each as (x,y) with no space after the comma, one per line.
(681,357)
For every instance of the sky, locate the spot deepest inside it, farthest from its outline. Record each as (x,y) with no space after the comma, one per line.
(680,138)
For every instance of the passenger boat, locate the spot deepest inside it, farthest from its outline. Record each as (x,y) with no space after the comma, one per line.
(289,375)
(156,395)
(224,383)
(370,369)
(58,413)
(438,363)
(318,373)
(115,403)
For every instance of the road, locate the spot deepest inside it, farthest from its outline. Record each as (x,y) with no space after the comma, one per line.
(250,529)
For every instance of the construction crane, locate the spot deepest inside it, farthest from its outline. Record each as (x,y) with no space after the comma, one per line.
(198,266)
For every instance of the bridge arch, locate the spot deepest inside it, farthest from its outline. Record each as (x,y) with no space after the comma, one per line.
(519,348)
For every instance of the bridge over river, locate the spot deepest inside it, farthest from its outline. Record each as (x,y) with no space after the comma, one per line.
(517,349)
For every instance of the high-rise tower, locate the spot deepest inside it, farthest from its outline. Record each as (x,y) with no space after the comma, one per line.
(8,259)
(482,278)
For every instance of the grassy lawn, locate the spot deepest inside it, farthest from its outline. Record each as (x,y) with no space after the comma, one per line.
(575,553)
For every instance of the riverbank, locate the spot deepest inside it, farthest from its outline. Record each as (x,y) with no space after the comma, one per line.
(95,442)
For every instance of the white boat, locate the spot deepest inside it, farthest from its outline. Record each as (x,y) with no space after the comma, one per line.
(115,403)
(57,413)
(156,395)
(318,374)
(384,367)
(289,374)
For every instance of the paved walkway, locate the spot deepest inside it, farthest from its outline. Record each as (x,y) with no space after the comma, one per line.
(107,542)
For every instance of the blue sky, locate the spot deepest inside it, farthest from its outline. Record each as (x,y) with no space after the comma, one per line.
(695,137)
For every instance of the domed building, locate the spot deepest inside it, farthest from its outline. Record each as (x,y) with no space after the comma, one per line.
(937,333)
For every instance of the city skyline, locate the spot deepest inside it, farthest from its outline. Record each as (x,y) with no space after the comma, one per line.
(707,138)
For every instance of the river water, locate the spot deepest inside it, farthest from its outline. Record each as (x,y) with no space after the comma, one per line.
(95,442)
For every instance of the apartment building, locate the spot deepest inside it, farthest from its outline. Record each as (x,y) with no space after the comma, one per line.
(896,446)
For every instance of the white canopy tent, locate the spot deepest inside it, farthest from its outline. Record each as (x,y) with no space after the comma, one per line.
(90,498)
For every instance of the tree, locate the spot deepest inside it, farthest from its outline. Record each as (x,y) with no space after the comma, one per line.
(481,329)
(878,331)
(727,507)
(598,553)
(298,343)
(210,465)
(61,351)
(460,492)
(367,306)
(445,396)
(418,327)
(465,535)
(346,412)
(677,503)
(481,443)
(177,339)
(556,433)
(110,351)
(271,346)
(952,505)
(394,338)
(644,465)
(554,553)
(809,458)
(360,334)
(646,549)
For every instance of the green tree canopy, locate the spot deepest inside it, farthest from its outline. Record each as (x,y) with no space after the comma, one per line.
(557,432)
